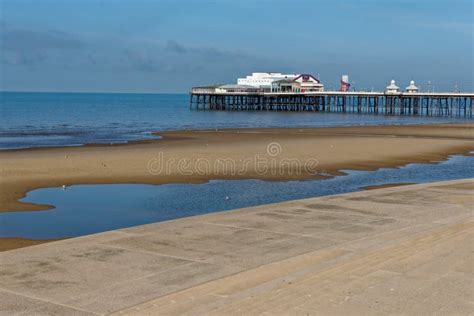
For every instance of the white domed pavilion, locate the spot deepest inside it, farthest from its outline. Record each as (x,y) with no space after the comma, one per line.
(412,88)
(392,87)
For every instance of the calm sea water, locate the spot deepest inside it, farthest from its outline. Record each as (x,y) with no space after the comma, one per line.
(69,119)
(86,209)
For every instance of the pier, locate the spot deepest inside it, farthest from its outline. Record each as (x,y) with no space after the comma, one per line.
(449,104)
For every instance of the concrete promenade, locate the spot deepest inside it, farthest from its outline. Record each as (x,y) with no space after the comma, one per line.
(400,250)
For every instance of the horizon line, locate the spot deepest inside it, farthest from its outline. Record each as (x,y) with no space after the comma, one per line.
(89,92)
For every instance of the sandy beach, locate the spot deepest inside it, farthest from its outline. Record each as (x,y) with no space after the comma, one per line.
(197,156)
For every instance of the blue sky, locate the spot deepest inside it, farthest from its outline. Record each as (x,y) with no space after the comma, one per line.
(169,46)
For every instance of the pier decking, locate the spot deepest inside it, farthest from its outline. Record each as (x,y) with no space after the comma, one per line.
(429,103)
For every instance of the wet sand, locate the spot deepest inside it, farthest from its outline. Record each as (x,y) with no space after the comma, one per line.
(199,156)
(14,243)
(388,185)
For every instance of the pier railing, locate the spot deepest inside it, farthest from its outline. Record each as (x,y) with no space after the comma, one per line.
(430,103)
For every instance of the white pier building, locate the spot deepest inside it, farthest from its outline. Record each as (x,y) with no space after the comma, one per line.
(279,82)
(264,79)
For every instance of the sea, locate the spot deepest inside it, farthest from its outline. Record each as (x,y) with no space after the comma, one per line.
(72,119)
